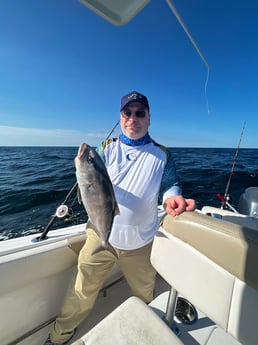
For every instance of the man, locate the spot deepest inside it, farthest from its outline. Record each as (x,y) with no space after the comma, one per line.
(135,164)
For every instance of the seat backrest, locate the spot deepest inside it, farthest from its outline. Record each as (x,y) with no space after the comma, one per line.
(213,263)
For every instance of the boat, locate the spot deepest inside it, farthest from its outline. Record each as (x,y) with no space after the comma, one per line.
(207,282)
(206,290)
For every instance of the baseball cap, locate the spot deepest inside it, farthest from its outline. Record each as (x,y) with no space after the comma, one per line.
(134,96)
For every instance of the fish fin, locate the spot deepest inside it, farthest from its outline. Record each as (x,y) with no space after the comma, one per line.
(105,246)
(117,211)
(79,196)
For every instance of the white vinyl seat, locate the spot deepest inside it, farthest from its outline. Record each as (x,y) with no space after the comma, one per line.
(213,264)
(132,323)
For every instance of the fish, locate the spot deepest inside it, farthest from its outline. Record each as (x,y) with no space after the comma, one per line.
(95,191)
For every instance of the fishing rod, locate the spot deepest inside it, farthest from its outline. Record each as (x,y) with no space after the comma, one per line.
(63,211)
(112,130)
(226,196)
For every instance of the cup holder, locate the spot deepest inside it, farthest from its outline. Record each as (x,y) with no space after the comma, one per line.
(185,311)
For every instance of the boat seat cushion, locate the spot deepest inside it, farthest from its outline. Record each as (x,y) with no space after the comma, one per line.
(232,246)
(212,263)
(134,323)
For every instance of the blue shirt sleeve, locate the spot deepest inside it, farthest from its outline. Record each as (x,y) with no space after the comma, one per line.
(172,179)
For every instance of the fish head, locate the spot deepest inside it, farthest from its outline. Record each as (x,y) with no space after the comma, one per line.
(83,151)
(85,157)
(88,158)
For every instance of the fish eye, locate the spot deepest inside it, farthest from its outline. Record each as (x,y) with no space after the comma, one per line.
(90,160)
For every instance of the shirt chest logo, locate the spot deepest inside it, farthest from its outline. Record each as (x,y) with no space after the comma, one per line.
(131,156)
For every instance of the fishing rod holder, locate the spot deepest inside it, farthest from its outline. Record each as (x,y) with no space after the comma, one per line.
(185,311)
(179,307)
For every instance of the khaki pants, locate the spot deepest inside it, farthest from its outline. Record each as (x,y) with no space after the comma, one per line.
(92,271)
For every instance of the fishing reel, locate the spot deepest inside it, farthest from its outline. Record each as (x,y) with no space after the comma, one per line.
(64,212)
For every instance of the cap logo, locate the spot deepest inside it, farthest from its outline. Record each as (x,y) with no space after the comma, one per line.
(134,96)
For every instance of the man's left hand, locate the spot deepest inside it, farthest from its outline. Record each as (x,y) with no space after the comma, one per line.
(177,204)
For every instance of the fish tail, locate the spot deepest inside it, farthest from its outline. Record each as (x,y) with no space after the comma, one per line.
(105,246)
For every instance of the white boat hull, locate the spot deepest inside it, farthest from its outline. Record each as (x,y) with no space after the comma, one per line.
(34,279)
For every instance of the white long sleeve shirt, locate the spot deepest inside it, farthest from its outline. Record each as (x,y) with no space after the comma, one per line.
(136,173)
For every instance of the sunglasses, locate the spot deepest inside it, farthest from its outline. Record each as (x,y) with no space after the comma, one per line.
(138,113)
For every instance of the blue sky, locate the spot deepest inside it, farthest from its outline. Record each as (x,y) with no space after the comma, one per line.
(63,70)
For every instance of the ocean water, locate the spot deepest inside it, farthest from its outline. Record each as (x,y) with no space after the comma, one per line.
(34,181)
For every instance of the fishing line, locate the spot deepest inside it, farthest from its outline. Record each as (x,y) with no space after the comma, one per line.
(173,9)
(234,163)
(205,91)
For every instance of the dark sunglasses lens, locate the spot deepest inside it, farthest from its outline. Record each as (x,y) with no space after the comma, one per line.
(138,113)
